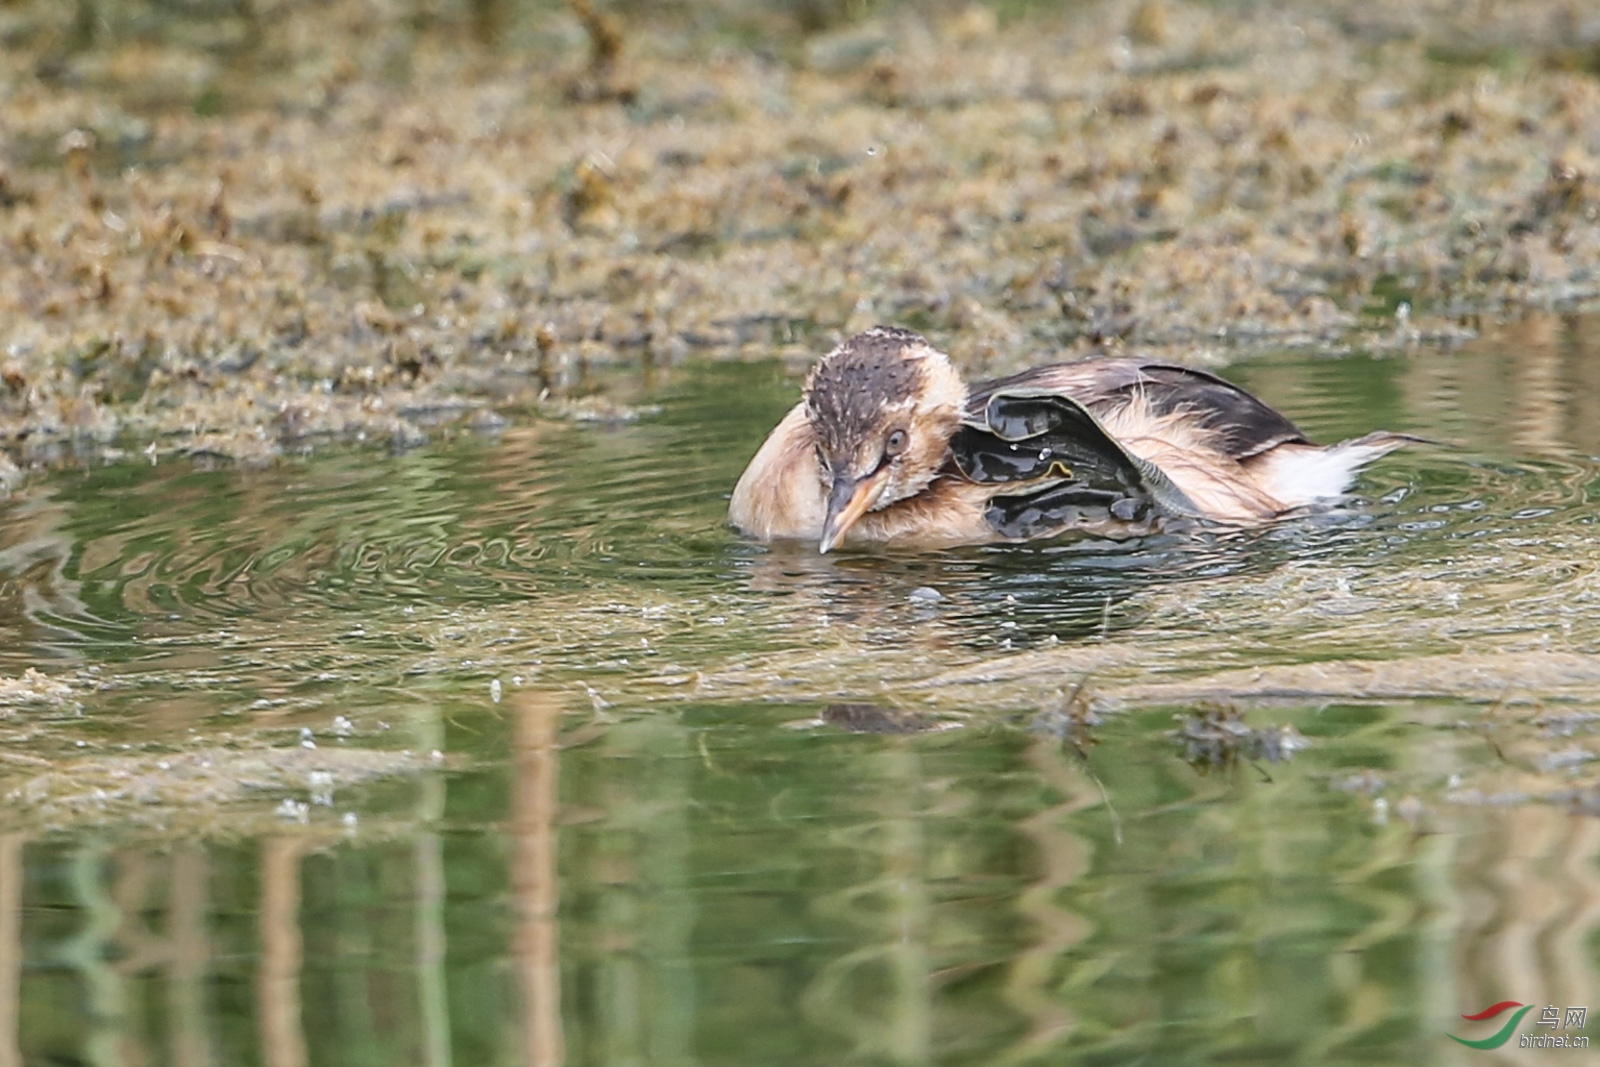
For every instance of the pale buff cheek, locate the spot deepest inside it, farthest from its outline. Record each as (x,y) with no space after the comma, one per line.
(925,459)
(894,489)
(908,476)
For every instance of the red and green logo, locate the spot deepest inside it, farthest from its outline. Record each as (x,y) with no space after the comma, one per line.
(1501,1036)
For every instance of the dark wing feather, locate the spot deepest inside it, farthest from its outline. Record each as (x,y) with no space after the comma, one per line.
(1026,436)
(1242,425)
(1068,471)
(1066,506)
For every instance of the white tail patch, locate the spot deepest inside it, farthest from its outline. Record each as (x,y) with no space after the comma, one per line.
(1298,475)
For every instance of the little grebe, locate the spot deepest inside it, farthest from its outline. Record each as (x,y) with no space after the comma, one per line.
(888,443)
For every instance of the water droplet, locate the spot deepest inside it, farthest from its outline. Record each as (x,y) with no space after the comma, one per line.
(320,784)
(293,811)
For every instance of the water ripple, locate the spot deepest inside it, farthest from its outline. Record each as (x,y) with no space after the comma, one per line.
(570,516)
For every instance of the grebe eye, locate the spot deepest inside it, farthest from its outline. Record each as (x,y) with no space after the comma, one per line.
(896,443)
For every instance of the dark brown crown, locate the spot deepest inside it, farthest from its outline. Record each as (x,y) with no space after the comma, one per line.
(854,384)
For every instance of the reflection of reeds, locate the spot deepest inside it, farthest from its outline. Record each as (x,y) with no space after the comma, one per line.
(90,954)
(630,967)
(1569,937)
(278,1022)
(432,994)
(1366,993)
(190,956)
(11,880)
(1539,402)
(534,887)
(1540,392)
(1528,907)
(428,920)
(1065,858)
(879,996)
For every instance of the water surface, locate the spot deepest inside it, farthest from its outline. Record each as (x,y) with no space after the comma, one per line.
(504,750)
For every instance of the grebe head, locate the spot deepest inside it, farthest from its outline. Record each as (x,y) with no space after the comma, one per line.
(883,405)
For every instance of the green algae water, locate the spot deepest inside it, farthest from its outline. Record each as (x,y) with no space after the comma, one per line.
(504,750)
